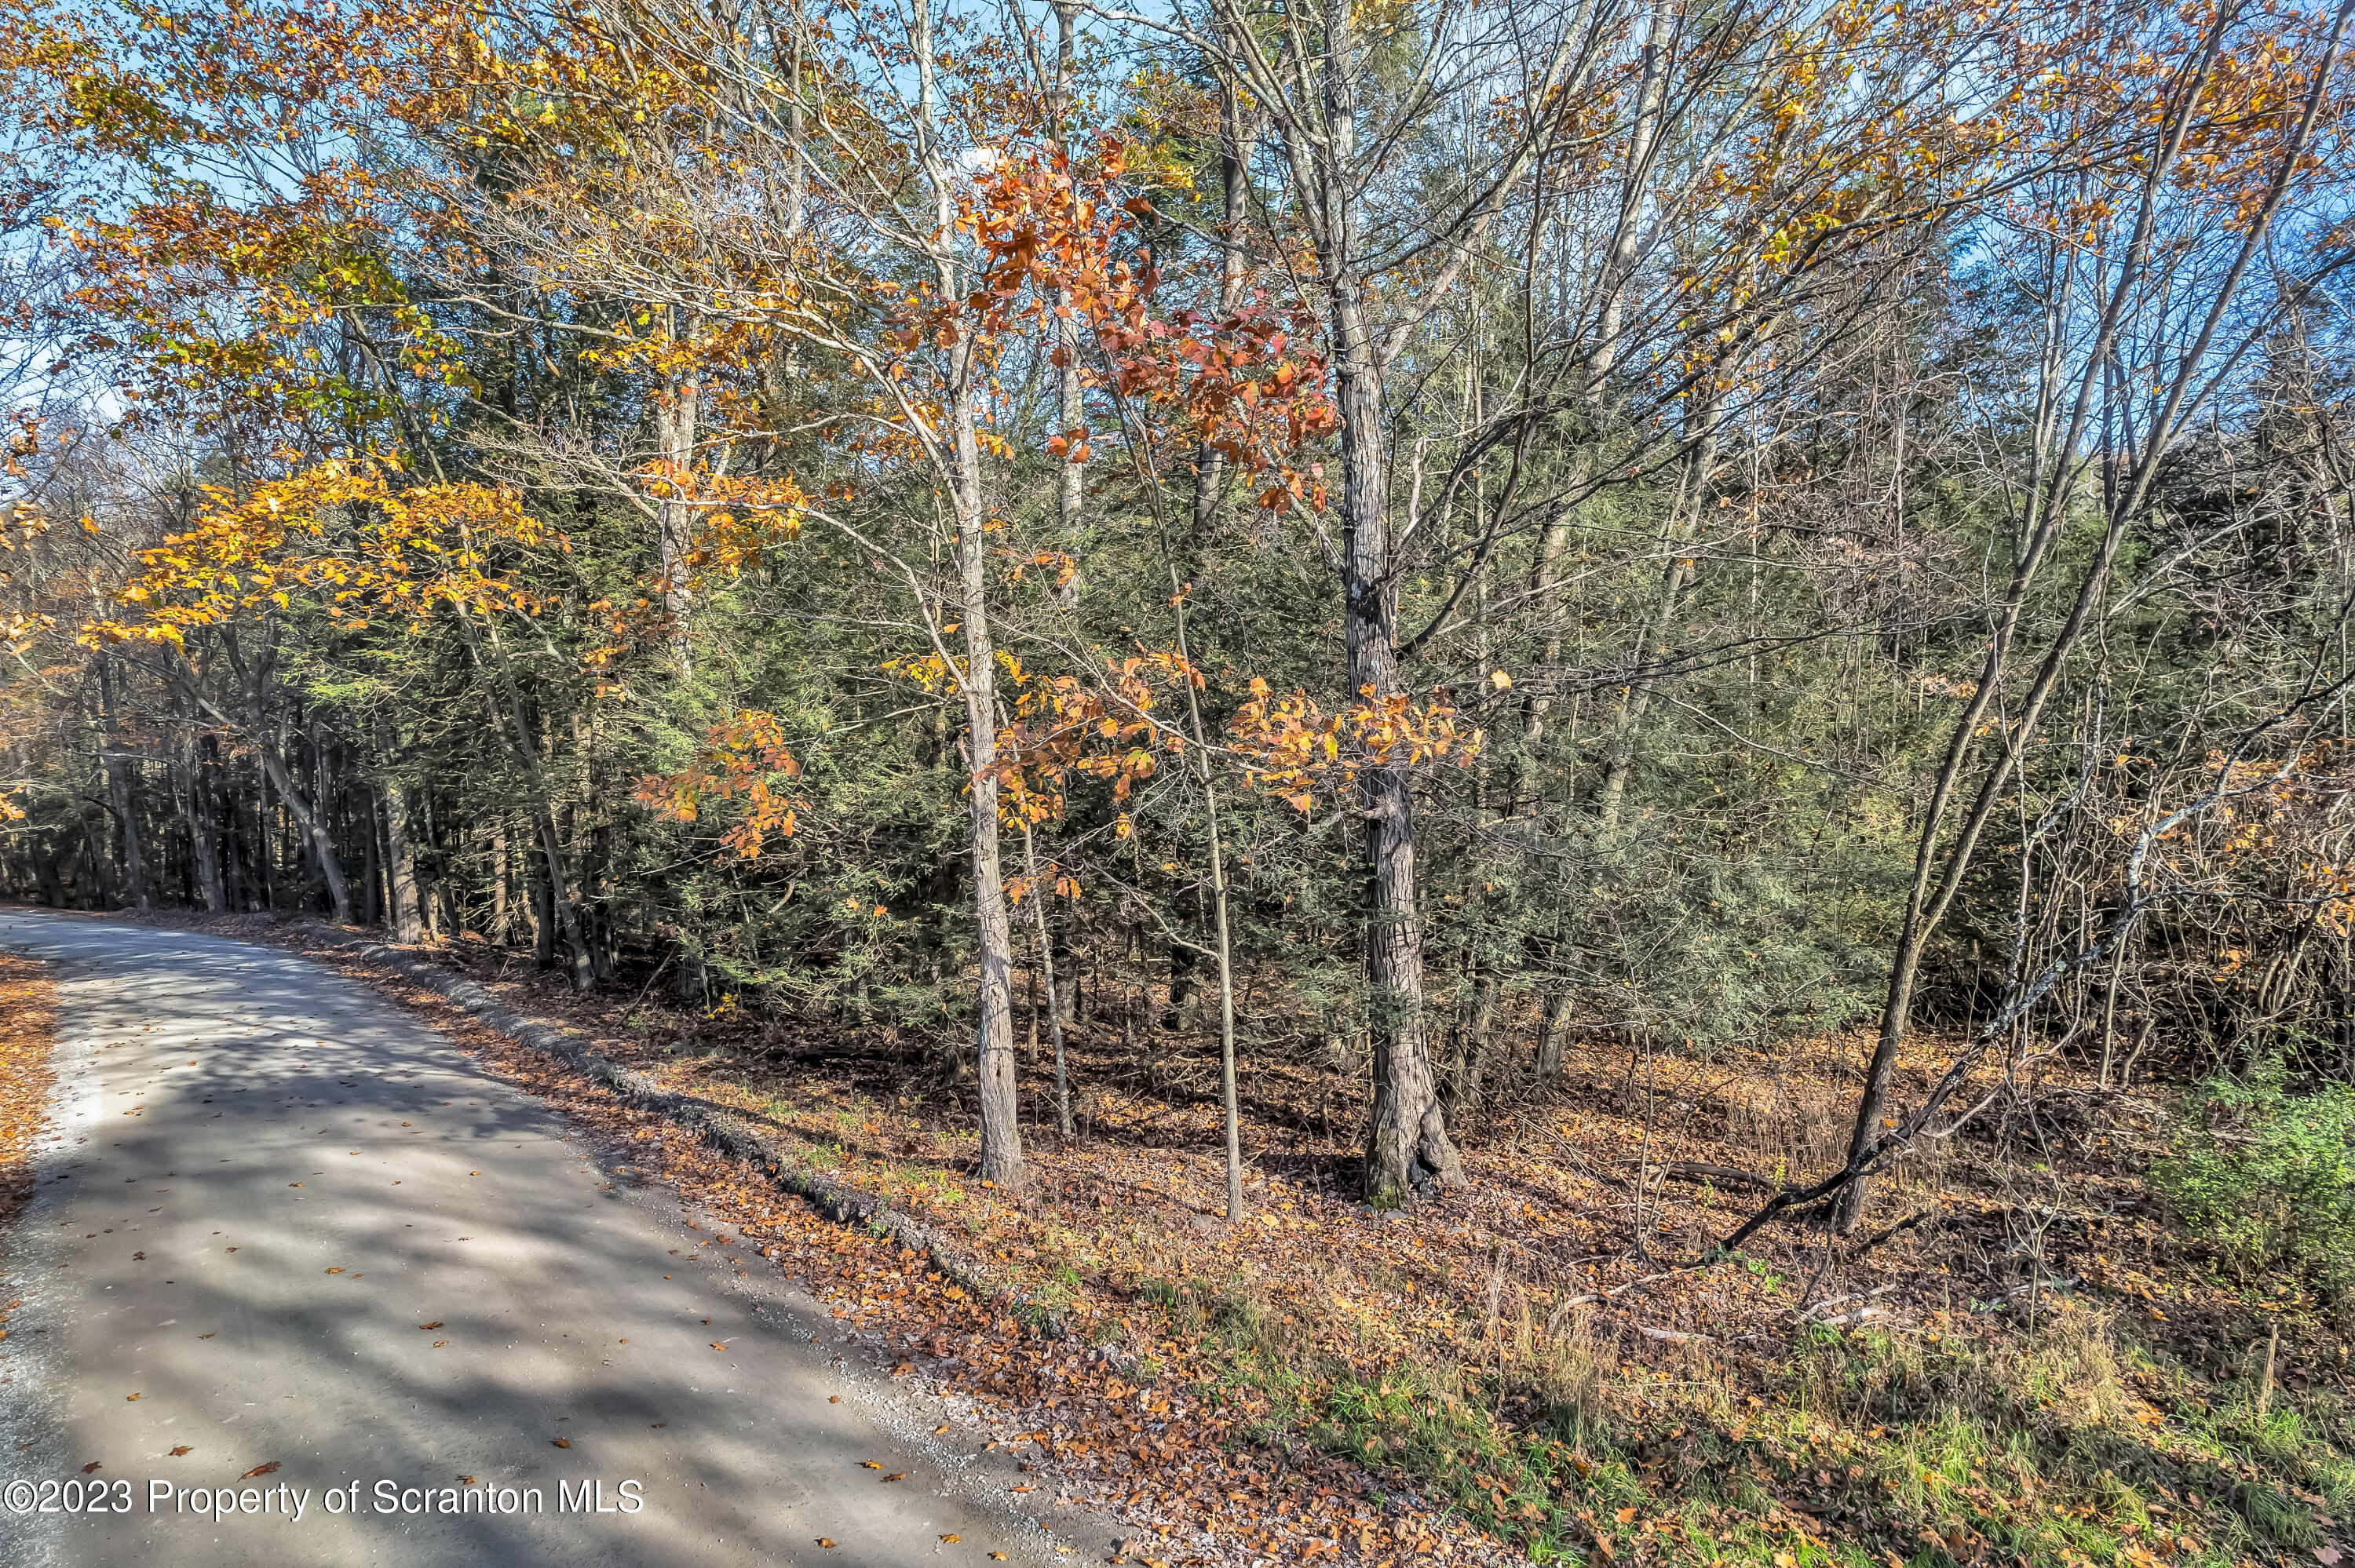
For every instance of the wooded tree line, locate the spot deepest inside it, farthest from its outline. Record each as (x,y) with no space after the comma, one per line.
(1418,537)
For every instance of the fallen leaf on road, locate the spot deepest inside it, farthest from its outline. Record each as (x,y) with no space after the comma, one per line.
(129,1398)
(439,1344)
(833,1399)
(268,1469)
(294,1183)
(138,1257)
(869,1465)
(467,1480)
(207,1336)
(901,1477)
(429,1327)
(951,1539)
(822,1541)
(941,1428)
(183,1449)
(564,1442)
(86,1470)
(335,1271)
(660,1425)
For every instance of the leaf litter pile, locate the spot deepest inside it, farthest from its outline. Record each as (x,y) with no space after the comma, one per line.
(2011,1361)
(28,1002)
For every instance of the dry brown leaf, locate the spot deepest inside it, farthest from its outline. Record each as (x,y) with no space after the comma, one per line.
(268,1469)
(564,1442)
(182,1449)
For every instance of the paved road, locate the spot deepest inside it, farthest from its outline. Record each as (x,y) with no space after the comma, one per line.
(282,1223)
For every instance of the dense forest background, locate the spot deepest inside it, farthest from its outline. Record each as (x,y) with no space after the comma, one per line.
(1418,540)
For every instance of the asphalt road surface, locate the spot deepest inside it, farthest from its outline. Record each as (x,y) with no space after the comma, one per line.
(289,1241)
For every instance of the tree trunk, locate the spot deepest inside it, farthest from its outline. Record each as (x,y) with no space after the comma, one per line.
(676,416)
(1001,1134)
(403,878)
(551,846)
(1409,1141)
(502,877)
(959,457)
(372,876)
(1557,1010)
(543,924)
(203,847)
(1685,513)
(118,790)
(1038,896)
(314,828)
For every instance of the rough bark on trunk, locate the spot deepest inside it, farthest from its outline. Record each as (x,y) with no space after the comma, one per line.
(1409,1141)
(1557,1012)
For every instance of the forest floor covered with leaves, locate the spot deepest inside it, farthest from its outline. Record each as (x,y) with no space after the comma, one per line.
(27,1001)
(2011,1362)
